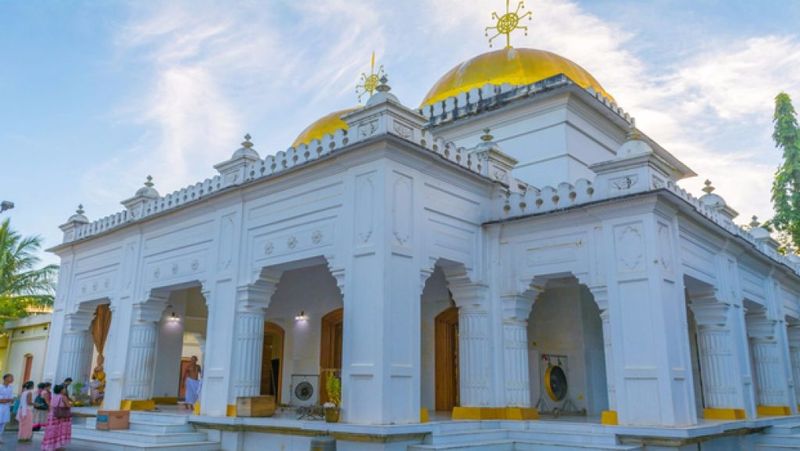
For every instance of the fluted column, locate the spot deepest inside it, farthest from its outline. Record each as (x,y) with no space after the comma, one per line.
(715,348)
(609,358)
(248,339)
(141,364)
(516,310)
(473,354)
(793,333)
(772,394)
(73,360)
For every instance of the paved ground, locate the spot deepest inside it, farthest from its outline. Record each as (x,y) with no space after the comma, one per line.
(10,443)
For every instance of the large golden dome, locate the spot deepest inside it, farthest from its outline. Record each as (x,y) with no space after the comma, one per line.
(509,65)
(326,125)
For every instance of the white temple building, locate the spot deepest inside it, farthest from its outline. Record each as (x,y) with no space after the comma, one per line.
(510,265)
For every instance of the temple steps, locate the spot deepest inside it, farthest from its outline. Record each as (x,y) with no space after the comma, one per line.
(519,436)
(147,432)
(779,437)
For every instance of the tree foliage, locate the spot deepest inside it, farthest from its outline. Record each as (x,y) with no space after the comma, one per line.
(786,186)
(22,285)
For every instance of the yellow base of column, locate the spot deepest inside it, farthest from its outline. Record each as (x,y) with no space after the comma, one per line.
(196,409)
(609,418)
(165,399)
(424,417)
(231,410)
(723,414)
(137,404)
(495,413)
(773,411)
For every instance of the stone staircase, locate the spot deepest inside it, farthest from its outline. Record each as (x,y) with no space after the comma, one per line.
(521,436)
(780,437)
(148,431)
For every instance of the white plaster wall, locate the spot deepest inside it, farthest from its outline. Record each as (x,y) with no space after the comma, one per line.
(34,342)
(435,299)
(313,291)
(564,322)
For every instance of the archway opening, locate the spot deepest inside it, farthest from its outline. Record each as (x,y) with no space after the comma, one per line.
(305,331)
(566,355)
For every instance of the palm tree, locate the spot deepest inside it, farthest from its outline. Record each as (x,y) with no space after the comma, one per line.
(21,285)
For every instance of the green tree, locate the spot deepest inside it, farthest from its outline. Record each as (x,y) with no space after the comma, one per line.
(22,285)
(786,186)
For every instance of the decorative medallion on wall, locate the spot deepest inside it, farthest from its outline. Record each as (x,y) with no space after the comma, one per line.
(368,129)
(316,237)
(291,242)
(629,247)
(404,131)
(624,183)
(269,248)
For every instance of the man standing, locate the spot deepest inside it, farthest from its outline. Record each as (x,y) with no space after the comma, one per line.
(6,399)
(66,383)
(191,378)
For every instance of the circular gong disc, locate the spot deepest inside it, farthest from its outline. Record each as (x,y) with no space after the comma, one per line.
(555,381)
(303,391)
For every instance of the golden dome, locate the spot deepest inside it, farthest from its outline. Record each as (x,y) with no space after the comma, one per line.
(326,125)
(509,65)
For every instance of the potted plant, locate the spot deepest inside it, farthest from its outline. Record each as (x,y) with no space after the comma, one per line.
(333,385)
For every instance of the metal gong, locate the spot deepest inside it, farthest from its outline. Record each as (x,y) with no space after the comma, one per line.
(303,391)
(555,381)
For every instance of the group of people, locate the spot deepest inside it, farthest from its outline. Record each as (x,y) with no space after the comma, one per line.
(37,408)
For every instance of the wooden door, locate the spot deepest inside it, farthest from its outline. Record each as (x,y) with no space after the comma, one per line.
(330,355)
(272,361)
(446,359)
(27,365)
(185,362)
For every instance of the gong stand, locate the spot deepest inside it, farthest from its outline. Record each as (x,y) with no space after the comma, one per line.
(555,400)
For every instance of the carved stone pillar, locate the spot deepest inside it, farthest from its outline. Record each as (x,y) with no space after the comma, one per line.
(248,341)
(141,363)
(772,394)
(516,310)
(73,361)
(608,351)
(793,333)
(716,352)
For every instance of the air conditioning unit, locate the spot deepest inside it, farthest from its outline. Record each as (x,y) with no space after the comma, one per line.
(305,390)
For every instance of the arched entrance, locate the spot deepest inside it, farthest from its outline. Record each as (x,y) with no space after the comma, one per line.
(272,360)
(330,355)
(446,333)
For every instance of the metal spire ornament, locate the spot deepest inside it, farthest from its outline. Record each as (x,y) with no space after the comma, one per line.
(369,82)
(508,22)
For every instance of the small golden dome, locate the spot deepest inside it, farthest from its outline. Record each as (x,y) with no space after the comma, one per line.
(326,125)
(509,65)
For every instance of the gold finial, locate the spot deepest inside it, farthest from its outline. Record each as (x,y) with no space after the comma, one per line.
(487,136)
(508,22)
(709,188)
(369,82)
(247,144)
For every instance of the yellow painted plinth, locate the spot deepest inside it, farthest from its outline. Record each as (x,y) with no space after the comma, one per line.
(723,414)
(231,410)
(773,411)
(609,418)
(495,413)
(196,409)
(424,417)
(165,399)
(521,413)
(137,404)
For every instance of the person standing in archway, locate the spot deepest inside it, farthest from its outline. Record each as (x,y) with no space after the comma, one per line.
(191,378)
(25,413)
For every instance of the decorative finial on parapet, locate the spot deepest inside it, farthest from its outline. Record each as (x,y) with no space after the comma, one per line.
(487,137)
(80,209)
(149,182)
(247,144)
(709,188)
(369,82)
(383,86)
(754,223)
(508,22)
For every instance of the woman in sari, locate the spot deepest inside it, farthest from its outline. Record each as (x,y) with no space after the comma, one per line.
(58,431)
(41,405)
(25,413)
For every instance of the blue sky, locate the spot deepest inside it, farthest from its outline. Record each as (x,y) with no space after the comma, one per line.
(94,95)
